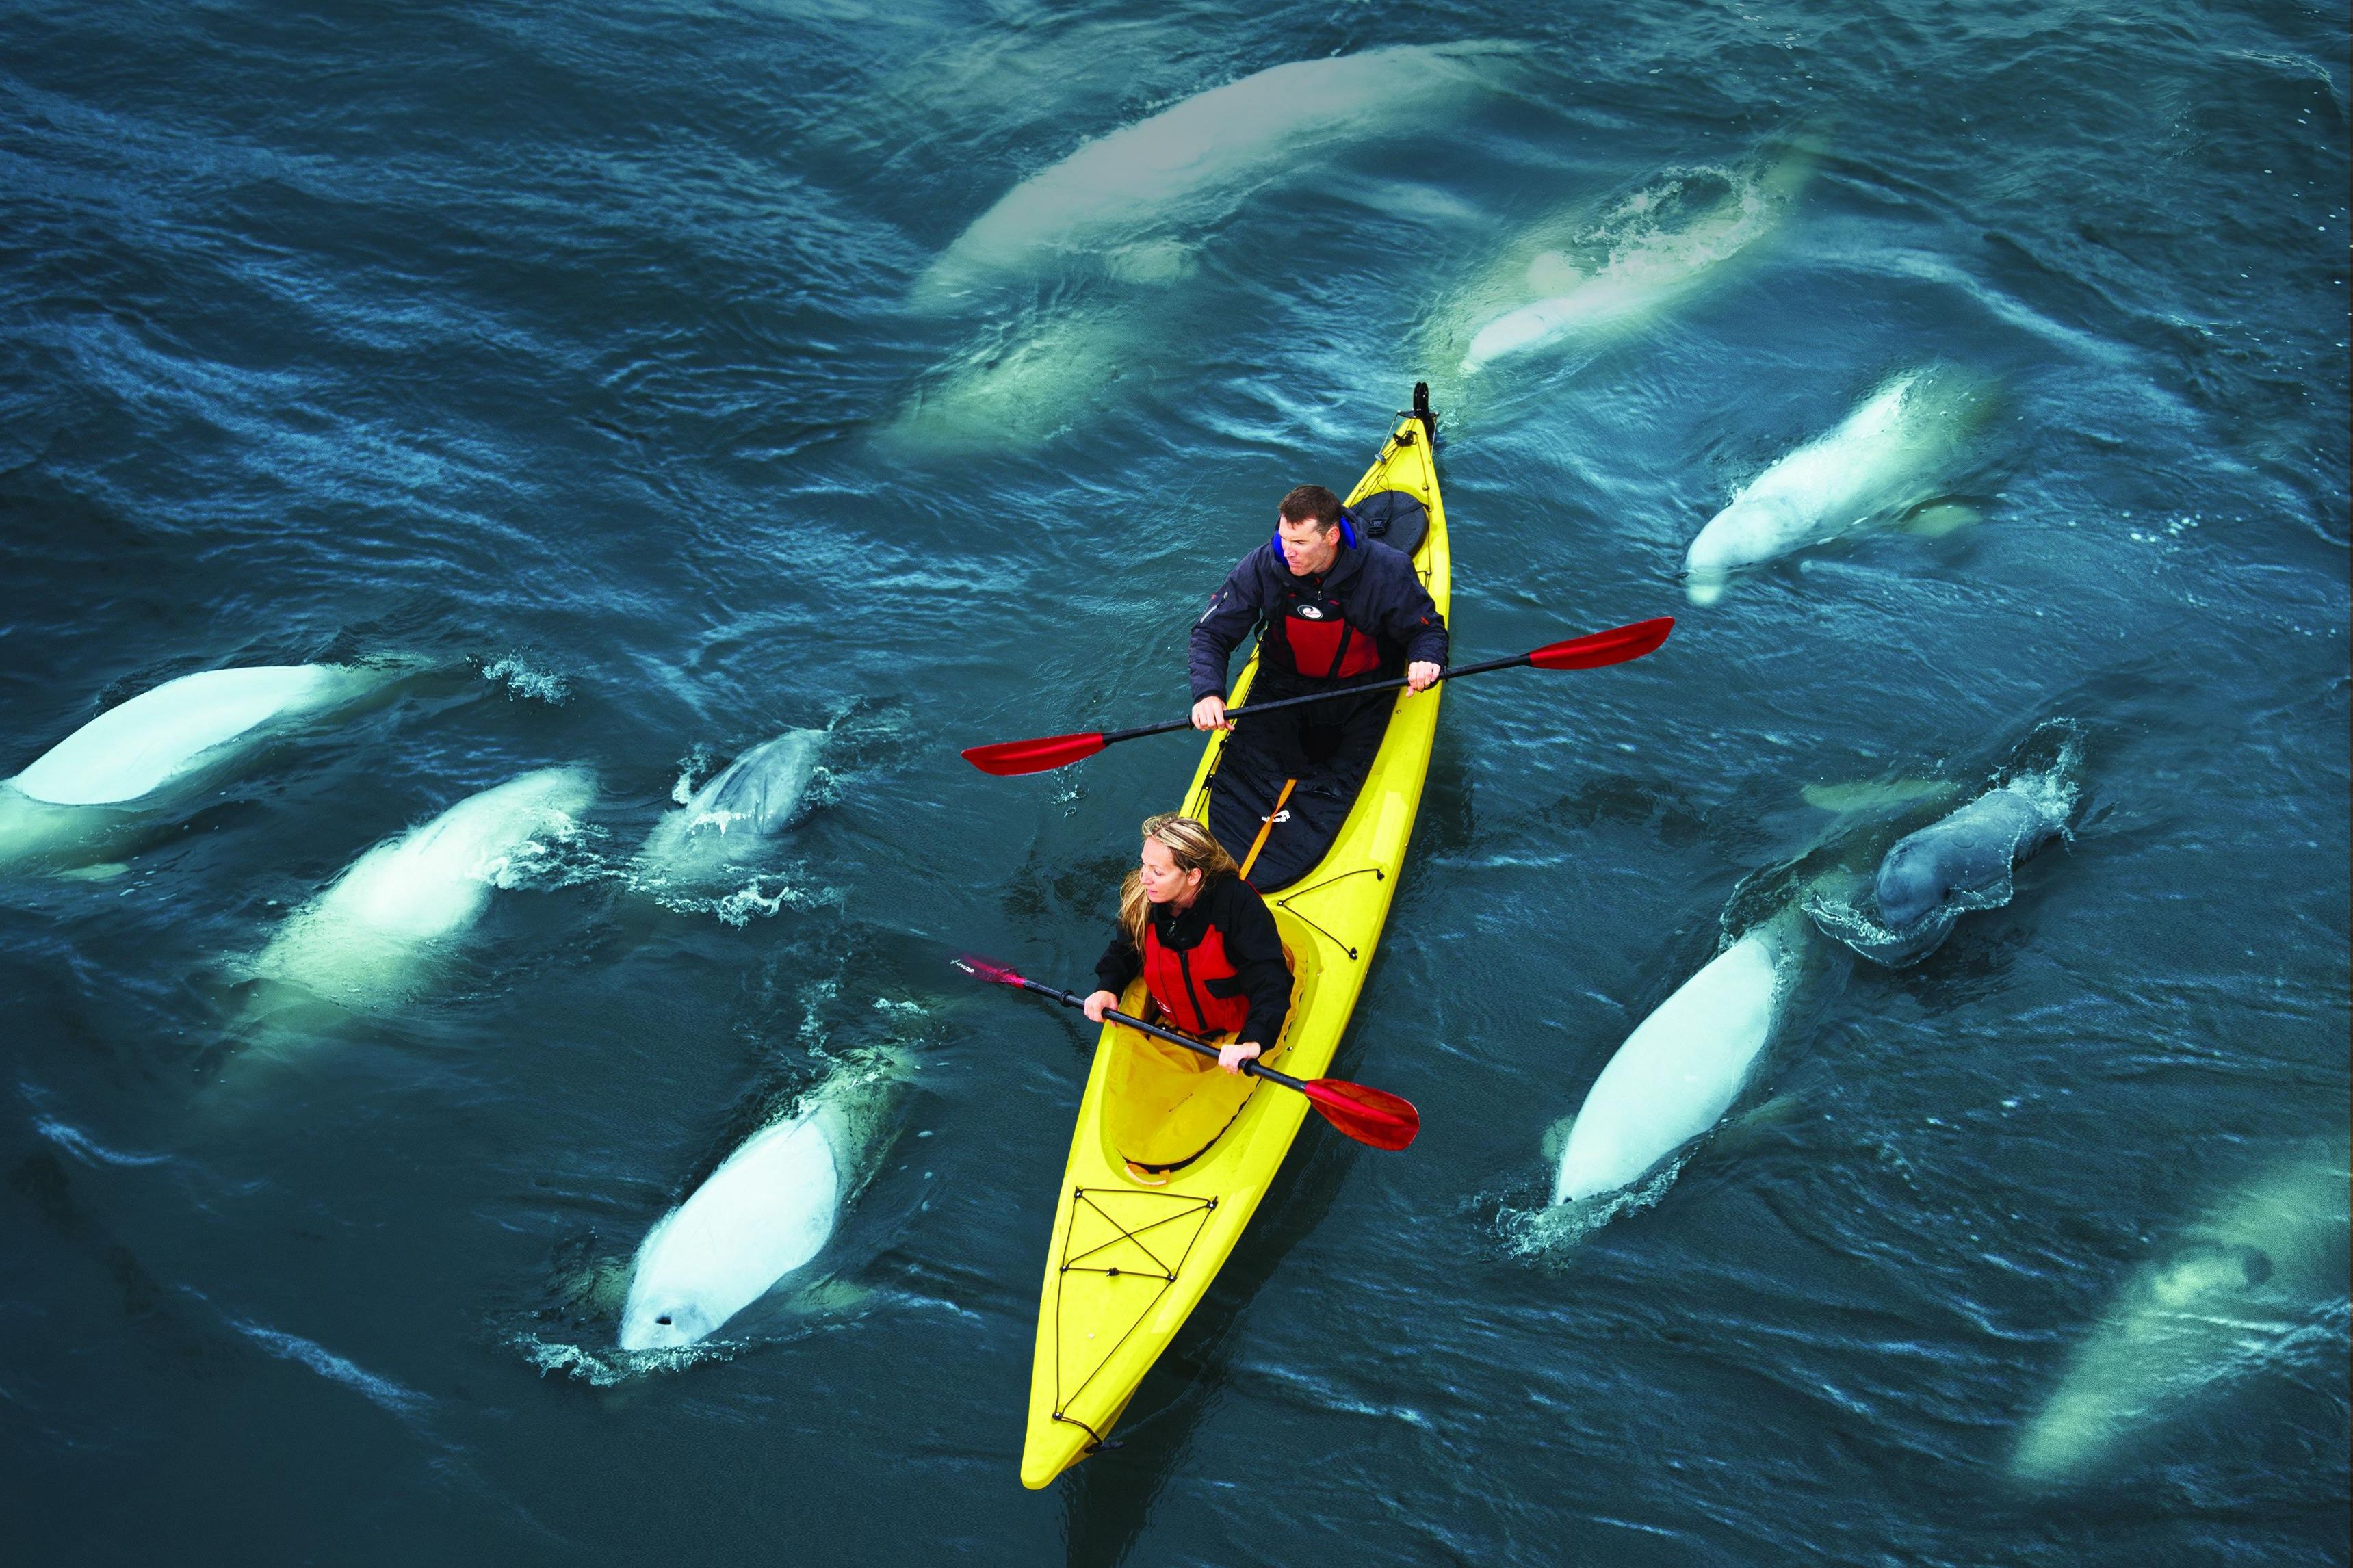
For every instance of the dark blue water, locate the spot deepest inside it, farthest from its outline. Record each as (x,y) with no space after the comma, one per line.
(569,349)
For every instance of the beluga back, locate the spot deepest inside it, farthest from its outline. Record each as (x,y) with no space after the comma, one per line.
(1126,202)
(367,941)
(96,789)
(738,812)
(1583,276)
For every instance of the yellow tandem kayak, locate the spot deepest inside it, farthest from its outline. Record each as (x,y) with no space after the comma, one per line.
(1127,1262)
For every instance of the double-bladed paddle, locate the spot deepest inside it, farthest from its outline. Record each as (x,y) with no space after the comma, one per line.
(1370,1116)
(1008,758)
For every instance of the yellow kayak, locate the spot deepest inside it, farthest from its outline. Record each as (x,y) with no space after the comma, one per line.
(1128,1262)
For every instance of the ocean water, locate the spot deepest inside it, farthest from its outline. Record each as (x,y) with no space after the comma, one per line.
(605,364)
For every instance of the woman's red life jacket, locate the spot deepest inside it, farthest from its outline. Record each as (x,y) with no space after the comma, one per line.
(1178,979)
(1324,645)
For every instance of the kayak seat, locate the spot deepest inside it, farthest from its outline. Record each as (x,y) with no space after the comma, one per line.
(1396,518)
(1165,1106)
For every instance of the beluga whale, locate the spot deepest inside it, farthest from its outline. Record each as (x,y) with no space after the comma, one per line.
(371,938)
(2221,1298)
(737,811)
(1582,277)
(1025,381)
(1127,203)
(1892,460)
(1683,1067)
(766,1212)
(1964,861)
(101,786)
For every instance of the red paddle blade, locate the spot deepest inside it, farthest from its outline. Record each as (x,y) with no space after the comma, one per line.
(1007,758)
(980,968)
(1602,647)
(1370,1116)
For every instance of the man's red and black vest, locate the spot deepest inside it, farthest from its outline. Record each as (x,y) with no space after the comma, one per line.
(1197,986)
(1323,644)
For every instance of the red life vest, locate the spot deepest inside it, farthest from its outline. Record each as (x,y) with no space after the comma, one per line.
(1324,645)
(1178,979)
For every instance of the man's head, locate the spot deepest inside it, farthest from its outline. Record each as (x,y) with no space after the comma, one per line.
(1307,529)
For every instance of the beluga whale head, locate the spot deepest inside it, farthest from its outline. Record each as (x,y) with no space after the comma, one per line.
(1748,531)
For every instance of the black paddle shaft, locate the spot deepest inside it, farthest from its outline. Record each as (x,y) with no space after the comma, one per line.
(1072,999)
(1112,737)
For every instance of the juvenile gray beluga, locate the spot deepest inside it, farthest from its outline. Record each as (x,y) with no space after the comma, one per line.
(1683,1067)
(101,785)
(1127,202)
(734,815)
(367,939)
(2219,1299)
(1893,459)
(766,1212)
(1961,862)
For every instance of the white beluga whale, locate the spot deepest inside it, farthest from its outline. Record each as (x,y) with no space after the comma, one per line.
(368,938)
(1127,202)
(738,810)
(102,783)
(1681,1067)
(765,1213)
(2216,1301)
(1890,460)
(1580,278)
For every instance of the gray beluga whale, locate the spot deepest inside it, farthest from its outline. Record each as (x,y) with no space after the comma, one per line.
(2216,1301)
(1582,277)
(738,810)
(97,787)
(1122,200)
(1963,861)
(366,940)
(1887,461)
(1683,1067)
(766,1212)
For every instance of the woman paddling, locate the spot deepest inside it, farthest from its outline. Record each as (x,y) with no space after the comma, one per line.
(1206,947)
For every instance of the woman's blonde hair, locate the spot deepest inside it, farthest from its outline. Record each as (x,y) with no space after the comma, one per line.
(1194,847)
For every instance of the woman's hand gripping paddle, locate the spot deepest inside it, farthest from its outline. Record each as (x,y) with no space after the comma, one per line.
(1617,645)
(1371,1116)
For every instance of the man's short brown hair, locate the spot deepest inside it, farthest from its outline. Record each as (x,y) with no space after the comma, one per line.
(1311,501)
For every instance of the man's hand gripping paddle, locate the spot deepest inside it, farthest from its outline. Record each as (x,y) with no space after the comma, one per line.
(1008,758)
(1370,1116)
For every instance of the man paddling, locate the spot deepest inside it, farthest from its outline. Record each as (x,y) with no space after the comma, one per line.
(1333,609)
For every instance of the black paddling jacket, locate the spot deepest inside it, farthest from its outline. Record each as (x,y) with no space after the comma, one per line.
(1229,915)
(1368,612)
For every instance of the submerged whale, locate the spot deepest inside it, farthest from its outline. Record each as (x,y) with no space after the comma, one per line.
(2216,1300)
(1580,276)
(767,1210)
(1681,1067)
(1887,461)
(1023,382)
(100,785)
(1119,199)
(365,941)
(752,799)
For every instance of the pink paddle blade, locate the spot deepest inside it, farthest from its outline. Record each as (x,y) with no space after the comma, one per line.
(1007,758)
(1614,647)
(1371,1116)
(981,968)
